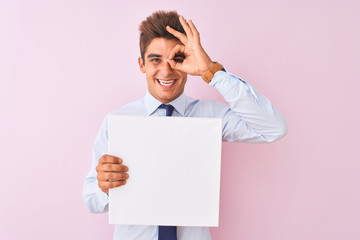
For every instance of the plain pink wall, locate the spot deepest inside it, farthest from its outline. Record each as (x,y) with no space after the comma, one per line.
(65,64)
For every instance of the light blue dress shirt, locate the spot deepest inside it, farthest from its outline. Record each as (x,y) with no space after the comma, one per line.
(248,117)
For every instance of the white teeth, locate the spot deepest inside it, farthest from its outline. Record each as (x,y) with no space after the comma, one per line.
(166,83)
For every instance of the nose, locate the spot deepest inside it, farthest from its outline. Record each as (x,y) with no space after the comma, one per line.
(166,68)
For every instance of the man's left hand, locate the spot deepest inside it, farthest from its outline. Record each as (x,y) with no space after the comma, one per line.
(196,61)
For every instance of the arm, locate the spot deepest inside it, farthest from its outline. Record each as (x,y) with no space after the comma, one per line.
(106,172)
(251,117)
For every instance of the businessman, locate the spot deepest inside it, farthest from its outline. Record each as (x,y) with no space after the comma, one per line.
(170,49)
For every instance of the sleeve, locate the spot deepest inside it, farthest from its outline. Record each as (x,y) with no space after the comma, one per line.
(250,116)
(95,199)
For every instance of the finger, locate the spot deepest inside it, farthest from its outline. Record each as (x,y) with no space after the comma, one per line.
(175,65)
(194,29)
(104,185)
(109,167)
(113,184)
(112,176)
(182,37)
(176,50)
(185,26)
(109,159)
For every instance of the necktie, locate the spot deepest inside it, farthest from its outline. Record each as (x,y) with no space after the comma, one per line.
(169,109)
(167,232)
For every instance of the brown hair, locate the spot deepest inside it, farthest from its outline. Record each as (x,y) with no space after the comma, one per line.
(155,27)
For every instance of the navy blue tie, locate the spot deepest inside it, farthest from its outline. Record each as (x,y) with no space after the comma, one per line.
(167,232)
(169,109)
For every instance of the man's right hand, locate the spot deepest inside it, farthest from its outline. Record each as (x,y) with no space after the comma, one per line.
(111,172)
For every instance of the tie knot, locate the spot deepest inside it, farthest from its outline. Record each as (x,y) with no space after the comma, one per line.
(169,109)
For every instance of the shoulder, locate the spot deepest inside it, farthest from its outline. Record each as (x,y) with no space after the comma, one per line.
(134,108)
(206,107)
(210,103)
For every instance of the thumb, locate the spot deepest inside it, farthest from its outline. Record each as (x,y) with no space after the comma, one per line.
(174,65)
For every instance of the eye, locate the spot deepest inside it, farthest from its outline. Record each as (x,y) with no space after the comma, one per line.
(179,60)
(155,60)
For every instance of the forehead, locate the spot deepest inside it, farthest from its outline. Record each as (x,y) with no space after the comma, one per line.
(161,46)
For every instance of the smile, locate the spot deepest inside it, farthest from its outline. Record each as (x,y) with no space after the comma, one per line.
(166,83)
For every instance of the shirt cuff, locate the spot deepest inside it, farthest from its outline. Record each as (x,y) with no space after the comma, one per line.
(103,200)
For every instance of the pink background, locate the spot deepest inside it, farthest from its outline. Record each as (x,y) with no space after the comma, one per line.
(65,64)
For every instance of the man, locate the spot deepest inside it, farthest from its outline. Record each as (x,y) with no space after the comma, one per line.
(170,49)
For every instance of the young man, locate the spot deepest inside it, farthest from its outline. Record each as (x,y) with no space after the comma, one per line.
(170,49)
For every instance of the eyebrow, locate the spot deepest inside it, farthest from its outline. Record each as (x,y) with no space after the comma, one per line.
(151,55)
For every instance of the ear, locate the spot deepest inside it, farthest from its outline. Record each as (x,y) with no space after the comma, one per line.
(141,64)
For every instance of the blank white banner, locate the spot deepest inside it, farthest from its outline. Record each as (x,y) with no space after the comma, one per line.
(174,167)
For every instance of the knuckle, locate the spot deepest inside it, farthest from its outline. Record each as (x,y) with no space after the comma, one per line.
(111,167)
(99,167)
(100,176)
(113,176)
(102,159)
(107,175)
(104,187)
(112,184)
(101,185)
(116,168)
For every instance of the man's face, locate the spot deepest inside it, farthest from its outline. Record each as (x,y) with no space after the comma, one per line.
(164,83)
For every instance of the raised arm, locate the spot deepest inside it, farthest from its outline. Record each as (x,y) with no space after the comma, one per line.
(250,117)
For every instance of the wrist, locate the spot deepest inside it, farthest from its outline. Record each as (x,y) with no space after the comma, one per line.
(209,74)
(208,67)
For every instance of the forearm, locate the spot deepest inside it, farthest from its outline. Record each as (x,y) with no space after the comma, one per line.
(95,200)
(251,117)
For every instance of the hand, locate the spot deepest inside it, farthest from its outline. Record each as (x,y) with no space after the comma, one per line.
(196,61)
(111,172)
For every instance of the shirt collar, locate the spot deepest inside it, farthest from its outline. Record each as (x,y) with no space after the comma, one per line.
(151,103)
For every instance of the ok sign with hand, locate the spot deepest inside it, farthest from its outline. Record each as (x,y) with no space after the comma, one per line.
(196,61)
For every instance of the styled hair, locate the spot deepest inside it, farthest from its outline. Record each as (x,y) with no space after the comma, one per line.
(155,27)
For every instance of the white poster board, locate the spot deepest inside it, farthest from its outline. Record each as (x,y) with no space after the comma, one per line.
(174,168)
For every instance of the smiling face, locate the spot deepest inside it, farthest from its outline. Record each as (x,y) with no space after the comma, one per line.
(164,83)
